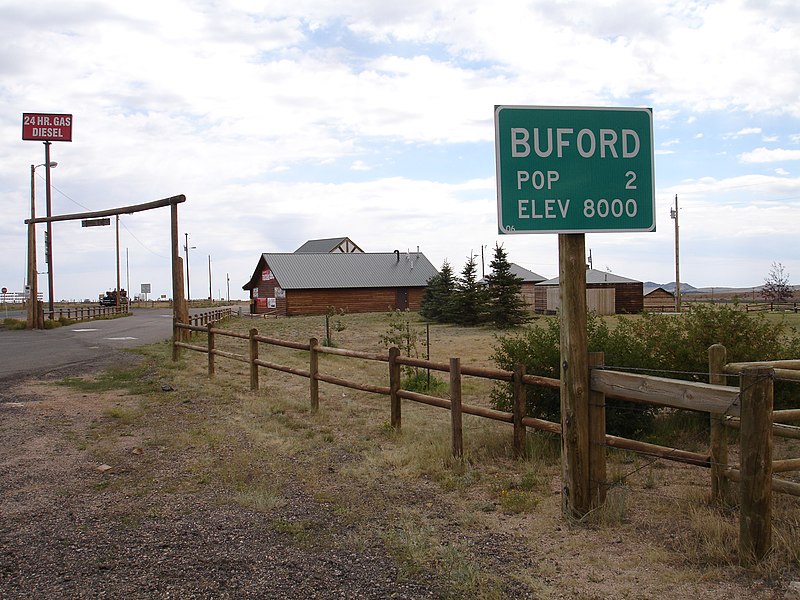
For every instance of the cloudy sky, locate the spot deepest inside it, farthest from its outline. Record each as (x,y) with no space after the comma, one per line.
(288,121)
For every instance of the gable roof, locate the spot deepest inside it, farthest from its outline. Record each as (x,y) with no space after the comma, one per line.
(595,276)
(339,244)
(339,270)
(521,272)
(525,275)
(661,289)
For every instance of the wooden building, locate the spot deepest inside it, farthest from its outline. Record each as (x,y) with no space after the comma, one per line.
(309,283)
(659,300)
(529,281)
(606,294)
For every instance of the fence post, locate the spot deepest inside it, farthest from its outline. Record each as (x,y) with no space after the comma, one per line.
(328,341)
(597,437)
(455,407)
(394,388)
(574,376)
(720,488)
(175,350)
(519,410)
(313,371)
(253,359)
(211,367)
(755,485)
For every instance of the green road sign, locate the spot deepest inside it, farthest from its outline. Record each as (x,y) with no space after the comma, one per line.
(574,170)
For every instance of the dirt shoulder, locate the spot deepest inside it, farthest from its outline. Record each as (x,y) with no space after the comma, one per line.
(72,529)
(199,490)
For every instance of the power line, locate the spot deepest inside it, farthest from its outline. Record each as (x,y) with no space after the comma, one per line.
(122,223)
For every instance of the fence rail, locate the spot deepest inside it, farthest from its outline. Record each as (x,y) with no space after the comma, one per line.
(771,307)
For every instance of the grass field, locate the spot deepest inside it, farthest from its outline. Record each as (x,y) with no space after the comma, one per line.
(487,525)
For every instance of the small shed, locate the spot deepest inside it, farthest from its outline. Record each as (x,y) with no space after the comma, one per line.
(529,281)
(659,300)
(606,294)
(309,283)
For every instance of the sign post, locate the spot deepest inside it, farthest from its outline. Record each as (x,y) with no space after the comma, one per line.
(571,171)
(47,128)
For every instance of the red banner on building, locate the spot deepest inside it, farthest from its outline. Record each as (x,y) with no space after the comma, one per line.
(44,127)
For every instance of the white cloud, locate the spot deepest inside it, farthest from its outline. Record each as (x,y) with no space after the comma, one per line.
(764,155)
(746,131)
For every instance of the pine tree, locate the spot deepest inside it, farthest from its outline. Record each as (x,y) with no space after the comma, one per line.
(507,307)
(437,298)
(470,300)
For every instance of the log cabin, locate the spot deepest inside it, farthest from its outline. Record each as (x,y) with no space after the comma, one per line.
(311,283)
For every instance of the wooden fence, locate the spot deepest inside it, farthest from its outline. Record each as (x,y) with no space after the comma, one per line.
(771,307)
(748,407)
(84,313)
(209,317)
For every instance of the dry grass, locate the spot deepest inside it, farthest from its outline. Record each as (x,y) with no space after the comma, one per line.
(486,525)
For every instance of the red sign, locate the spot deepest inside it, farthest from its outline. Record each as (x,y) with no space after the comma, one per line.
(46,127)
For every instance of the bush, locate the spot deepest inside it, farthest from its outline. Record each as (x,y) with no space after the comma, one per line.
(663,345)
(14,324)
(538,348)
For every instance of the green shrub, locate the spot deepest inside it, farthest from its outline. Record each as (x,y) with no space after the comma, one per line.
(420,380)
(14,324)
(673,346)
(538,348)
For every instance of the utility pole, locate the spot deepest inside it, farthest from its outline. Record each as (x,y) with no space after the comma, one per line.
(674,214)
(119,291)
(186,249)
(33,284)
(127,274)
(210,295)
(228,277)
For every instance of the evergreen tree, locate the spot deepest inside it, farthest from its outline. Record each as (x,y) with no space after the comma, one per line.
(470,300)
(438,296)
(507,307)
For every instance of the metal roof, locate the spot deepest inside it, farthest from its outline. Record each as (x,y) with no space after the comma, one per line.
(526,275)
(324,270)
(595,276)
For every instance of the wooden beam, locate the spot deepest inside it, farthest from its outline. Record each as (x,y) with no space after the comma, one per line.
(125,210)
(755,484)
(455,408)
(575,492)
(659,391)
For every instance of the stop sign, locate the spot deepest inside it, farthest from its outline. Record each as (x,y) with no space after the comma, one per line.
(5,290)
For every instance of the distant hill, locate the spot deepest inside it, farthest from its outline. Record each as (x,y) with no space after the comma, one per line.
(649,286)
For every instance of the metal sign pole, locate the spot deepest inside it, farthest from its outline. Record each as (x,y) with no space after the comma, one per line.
(49,246)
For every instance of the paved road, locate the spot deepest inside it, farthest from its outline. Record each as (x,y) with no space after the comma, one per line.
(38,352)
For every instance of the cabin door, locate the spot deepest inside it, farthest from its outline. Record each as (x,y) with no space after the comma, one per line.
(401,301)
